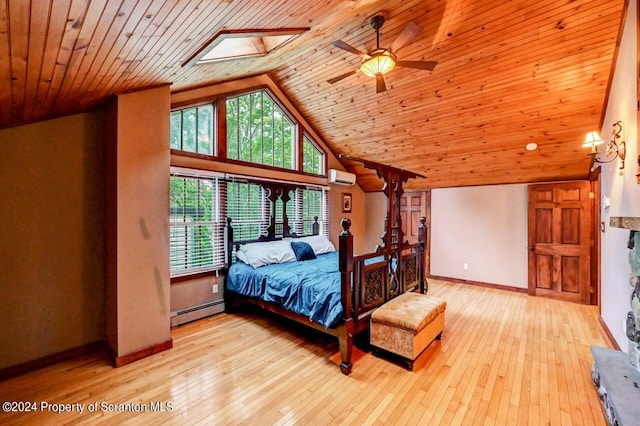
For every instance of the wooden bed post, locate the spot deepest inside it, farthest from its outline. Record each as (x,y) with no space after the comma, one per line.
(393,178)
(422,244)
(345,265)
(228,242)
(228,249)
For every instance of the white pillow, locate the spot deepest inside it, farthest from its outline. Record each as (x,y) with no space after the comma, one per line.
(241,256)
(319,243)
(260,254)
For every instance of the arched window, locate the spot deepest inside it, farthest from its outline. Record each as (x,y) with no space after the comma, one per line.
(259,131)
(313,158)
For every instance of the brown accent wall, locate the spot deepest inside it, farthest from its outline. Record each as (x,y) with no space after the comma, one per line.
(51,237)
(137,289)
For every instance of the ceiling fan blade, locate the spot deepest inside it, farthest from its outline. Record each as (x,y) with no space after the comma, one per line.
(344,46)
(408,34)
(340,77)
(421,65)
(380,85)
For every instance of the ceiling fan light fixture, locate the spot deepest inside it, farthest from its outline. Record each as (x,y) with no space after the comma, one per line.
(378,63)
(382,60)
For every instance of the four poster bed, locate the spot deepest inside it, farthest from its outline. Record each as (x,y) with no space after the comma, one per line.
(331,291)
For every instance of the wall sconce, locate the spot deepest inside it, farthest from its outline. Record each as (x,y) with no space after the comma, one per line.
(613,149)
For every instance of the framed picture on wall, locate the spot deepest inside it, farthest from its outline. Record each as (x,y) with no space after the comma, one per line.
(346,202)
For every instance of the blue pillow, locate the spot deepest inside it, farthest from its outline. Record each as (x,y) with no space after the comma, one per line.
(302,250)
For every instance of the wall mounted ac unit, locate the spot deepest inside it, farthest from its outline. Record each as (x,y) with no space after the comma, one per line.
(341,178)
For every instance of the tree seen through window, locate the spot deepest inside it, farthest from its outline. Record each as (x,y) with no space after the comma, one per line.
(191,130)
(258,131)
(312,157)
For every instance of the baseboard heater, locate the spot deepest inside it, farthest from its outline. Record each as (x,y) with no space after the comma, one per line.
(197,312)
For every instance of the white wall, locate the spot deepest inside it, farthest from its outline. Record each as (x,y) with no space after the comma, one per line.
(484,227)
(623,190)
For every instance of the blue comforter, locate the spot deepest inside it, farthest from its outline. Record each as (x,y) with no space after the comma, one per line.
(310,288)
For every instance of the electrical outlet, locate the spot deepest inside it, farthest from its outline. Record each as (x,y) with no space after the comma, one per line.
(465,266)
(215,288)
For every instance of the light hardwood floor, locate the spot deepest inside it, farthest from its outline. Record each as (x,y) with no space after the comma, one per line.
(505,358)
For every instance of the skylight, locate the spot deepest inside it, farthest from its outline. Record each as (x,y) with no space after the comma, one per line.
(237,44)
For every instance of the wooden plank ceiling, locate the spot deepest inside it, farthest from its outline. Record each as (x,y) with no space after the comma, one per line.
(509,73)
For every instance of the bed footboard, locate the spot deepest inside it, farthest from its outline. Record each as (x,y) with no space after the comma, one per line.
(366,281)
(369,281)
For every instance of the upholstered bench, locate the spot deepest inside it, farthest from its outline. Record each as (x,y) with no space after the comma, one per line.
(407,324)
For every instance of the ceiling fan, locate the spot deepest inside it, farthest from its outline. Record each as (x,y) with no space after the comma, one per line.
(380,60)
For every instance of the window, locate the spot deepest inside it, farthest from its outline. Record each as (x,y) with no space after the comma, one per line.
(259,131)
(199,206)
(234,44)
(248,208)
(309,204)
(196,228)
(192,130)
(312,157)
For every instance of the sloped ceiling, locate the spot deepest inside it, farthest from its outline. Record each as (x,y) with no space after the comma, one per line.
(509,73)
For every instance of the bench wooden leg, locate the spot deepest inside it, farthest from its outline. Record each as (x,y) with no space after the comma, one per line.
(439,336)
(409,364)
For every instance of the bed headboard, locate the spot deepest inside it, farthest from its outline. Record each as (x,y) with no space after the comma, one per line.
(275,191)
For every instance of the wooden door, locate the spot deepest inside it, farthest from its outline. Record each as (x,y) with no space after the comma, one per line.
(413,205)
(560,241)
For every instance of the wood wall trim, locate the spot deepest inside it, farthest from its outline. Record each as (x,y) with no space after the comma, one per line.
(612,339)
(596,239)
(88,349)
(16,370)
(479,284)
(119,361)
(214,97)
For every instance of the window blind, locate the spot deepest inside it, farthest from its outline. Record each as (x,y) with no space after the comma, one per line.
(196,225)
(200,204)
(248,207)
(309,203)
